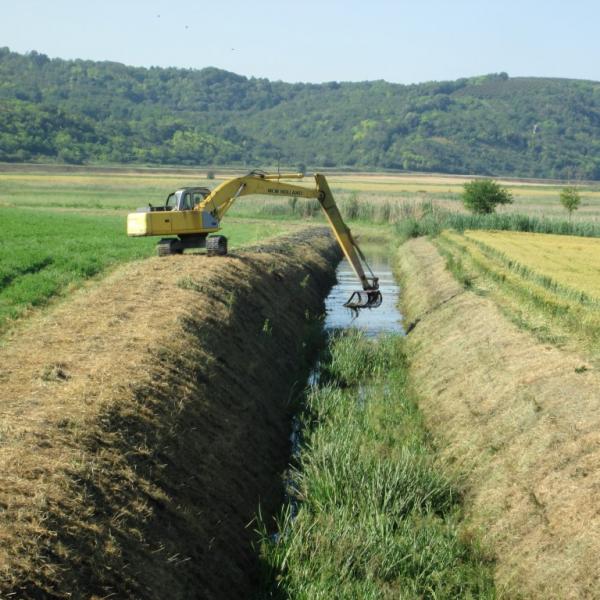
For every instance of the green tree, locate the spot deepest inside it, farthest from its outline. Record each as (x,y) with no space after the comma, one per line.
(570,199)
(481,196)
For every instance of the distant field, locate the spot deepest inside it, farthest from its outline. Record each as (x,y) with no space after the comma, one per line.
(549,284)
(127,189)
(536,199)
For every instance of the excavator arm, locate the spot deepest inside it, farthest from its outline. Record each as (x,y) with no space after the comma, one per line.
(193,221)
(220,200)
(343,235)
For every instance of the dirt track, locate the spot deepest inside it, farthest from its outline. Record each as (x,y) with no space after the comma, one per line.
(144,420)
(522,419)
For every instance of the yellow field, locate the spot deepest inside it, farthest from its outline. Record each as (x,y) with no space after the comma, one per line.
(547,284)
(571,261)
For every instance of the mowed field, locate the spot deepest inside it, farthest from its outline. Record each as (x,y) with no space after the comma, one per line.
(507,374)
(548,284)
(568,261)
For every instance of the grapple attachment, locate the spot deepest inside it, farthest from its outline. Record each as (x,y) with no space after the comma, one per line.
(364,299)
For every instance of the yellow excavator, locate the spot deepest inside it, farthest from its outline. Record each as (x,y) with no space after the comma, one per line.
(193,213)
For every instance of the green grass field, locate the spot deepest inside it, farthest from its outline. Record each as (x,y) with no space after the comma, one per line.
(45,253)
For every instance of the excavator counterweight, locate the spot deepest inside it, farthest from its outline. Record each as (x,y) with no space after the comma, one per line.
(191,214)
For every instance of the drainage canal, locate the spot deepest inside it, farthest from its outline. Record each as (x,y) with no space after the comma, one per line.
(371,322)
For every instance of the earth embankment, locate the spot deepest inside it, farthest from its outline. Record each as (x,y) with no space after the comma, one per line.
(521,419)
(145,420)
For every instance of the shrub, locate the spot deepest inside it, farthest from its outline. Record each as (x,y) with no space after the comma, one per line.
(481,196)
(570,199)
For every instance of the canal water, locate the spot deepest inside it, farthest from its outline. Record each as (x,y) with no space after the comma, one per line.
(375,321)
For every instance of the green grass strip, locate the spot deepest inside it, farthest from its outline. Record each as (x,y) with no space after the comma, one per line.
(377,516)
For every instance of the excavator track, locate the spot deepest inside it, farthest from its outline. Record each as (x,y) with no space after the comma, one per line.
(216,245)
(168,246)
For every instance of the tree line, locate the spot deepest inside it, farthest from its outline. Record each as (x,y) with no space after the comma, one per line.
(78,111)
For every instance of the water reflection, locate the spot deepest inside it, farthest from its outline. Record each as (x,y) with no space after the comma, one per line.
(373,322)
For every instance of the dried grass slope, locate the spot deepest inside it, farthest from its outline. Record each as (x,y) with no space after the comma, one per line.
(144,420)
(522,419)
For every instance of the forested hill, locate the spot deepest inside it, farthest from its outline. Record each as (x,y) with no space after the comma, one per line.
(83,111)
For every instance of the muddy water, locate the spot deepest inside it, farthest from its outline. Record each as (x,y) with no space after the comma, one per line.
(373,322)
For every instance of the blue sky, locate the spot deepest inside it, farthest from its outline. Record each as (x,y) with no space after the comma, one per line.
(403,42)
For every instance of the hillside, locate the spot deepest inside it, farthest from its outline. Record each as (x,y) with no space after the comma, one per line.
(84,111)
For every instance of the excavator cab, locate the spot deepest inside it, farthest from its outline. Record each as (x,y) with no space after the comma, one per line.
(186,199)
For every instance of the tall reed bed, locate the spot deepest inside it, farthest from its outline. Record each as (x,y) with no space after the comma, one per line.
(369,208)
(432,220)
(377,516)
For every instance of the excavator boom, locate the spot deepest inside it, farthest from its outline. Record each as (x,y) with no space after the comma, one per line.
(193,220)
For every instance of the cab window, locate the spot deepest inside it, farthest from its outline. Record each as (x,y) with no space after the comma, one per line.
(187,202)
(171,203)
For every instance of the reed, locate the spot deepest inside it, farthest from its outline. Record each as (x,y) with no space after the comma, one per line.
(378,516)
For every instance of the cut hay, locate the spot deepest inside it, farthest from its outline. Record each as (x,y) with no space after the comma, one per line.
(144,421)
